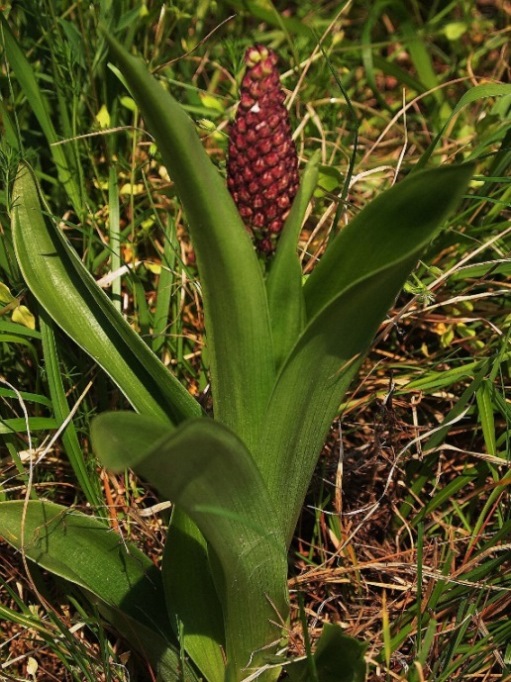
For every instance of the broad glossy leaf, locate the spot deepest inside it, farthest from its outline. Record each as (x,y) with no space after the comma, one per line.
(323,362)
(69,294)
(401,220)
(234,295)
(208,472)
(89,554)
(192,602)
(284,282)
(338,658)
(86,552)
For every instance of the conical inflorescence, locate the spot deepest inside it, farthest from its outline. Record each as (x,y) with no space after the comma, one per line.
(262,168)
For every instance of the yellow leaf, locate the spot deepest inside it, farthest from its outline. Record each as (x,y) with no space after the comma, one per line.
(103,117)
(212,102)
(129,188)
(32,666)
(5,295)
(454,30)
(447,338)
(206,124)
(129,103)
(100,185)
(155,268)
(22,315)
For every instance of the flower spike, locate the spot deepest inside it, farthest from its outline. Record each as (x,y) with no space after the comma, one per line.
(262,168)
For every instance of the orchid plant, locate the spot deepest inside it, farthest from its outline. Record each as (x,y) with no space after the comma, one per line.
(282,353)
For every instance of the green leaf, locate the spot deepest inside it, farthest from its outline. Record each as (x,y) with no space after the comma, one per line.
(205,469)
(455,29)
(86,552)
(266,12)
(284,283)
(329,179)
(22,425)
(347,297)
(446,493)
(192,600)
(170,663)
(234,295)
(192,603)
(420,54)
(10,131)
(26,397)
(484,398)
(7,327)
(338,658)
(401,220)
(67,291)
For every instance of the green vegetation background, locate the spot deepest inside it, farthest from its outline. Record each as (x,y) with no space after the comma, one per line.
(414,554)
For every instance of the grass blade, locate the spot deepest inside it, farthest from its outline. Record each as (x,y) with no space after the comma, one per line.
(26,78)
(476,93)
(61,411)
(484,399)
(22,425)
